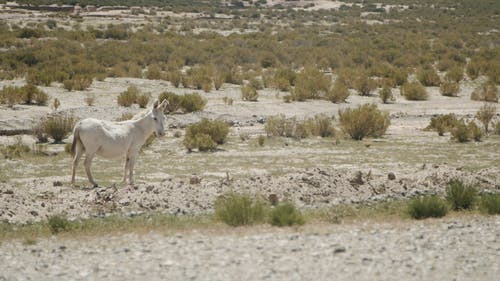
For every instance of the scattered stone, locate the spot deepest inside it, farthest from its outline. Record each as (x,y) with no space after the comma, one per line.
(391,176)
(34,213)
(57,183)
(194,179)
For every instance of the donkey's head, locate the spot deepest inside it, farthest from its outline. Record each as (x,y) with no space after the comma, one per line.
(158,117)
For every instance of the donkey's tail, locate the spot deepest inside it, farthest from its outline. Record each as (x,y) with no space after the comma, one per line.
(76,140)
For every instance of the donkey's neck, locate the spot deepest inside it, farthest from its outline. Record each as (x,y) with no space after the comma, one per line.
(144,126)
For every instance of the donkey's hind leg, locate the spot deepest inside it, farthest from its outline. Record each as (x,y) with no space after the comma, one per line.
(126,168)
(87,162)
(76,159)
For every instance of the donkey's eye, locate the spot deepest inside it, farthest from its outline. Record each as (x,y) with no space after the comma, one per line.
(154,118)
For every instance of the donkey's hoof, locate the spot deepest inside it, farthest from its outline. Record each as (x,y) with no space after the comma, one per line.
(96,185)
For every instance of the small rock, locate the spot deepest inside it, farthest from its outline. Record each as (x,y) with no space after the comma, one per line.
(34,213)
(339,249)
(8,191)
(391,176)
(194,179)
(273,198)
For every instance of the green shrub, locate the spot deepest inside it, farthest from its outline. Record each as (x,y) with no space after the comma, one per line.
(58,224)
(205,135)
(365,121)
(386,94)
(442,123)
(455,74)
(240,209)
(286,214)
(460,196)
(414,91)
(249,93)
(338,93)
(275,125)
(311,84)
(490,204)
(429,206)
(485,114)
(143,100)
(428,77)
(58,127)
(128,97)
(486,92)
(449,88)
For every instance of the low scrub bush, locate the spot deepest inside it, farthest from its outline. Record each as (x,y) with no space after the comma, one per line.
(280,126)
(175,77)
(490,204)
(128,97)
(465,131)
(429,206)
(153,72)
(386,94)
(364,121)
(32,94)
(11,96)
(449,88)
(476,132)
(338,93)
(275,125)
(442,123)
(185,103)
(311,84)
(460,196)
(428,77)
(414,91)
(58,224)
(205,135)
(15,150)
(143,100)
(485,114)
(283,79)
(455,74)
(286,214)
(486,92)
(364,85)
(240,209)
(56,126)
(249,93)
(77,83)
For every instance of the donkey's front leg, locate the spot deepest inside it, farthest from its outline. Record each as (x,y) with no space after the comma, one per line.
(126,168)
(132,158)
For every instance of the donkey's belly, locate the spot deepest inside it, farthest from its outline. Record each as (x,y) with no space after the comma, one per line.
(112,151)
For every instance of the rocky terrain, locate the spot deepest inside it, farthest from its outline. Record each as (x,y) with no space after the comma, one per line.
(463,248)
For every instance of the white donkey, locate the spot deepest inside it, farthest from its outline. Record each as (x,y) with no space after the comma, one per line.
(114,139)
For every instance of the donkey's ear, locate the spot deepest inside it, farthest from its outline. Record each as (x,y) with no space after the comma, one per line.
(164,104)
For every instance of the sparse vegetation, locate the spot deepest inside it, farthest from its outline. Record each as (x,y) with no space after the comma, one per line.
(338,93)
(249,93)
(89,99)
(128,97)
(286,214)
(205,135)
(15,150)
(429,206)
(442,123)
(485,114)
(364,121)
(486,92)
(386,94)
(428,77)
(414,91)
(240,209)
(59,224)
(490,203)
(58,127)
(449,88)
(460,196)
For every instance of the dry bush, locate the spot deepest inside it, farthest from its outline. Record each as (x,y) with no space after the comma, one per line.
(474,68)
(56,104)
(228,100)
(205,135)
(11,95)
(128,97)
(364,85)
(486,92)
(143,100)
(428,77)
(240,209)
(449,88)
(249,93)
(286,214)
(125,116)
(78,83)
(175,78)
(460,196)
(153,72)
(414,91)
(485,114)
(386,95)
(311,84)
(283,79)
(338,93)
(31,93)
(186,103)
(442,123)
(455,74)
(58,127)
(364,121)
(465,131)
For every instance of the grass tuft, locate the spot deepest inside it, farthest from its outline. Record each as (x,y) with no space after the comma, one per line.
(490,204)
(460,196)
(240,209)
(429,206)
(286,214)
